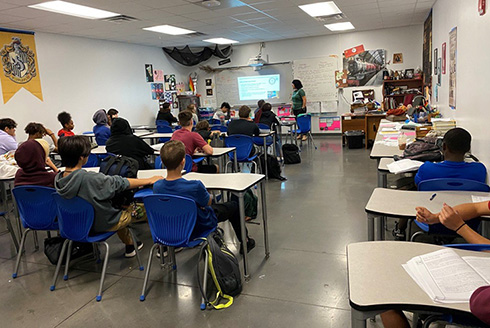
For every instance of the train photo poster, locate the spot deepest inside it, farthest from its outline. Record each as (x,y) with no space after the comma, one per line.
(365,68)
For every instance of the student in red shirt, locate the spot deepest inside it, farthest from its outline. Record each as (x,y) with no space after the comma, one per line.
(67,123)
(193,141)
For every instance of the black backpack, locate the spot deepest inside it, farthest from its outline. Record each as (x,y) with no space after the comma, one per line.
(423,150)
(224,269)
(291,154)
(53,245)
(273,167)
(123,166)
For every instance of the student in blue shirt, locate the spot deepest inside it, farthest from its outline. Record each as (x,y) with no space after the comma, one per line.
(101,130)
(456,143)
(208,214)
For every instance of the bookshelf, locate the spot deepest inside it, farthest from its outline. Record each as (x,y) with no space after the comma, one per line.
(390,100)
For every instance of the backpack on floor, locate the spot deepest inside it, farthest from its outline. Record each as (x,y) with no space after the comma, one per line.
(291,154)
(123,166)
(53,245)
(224,269)
(273,167)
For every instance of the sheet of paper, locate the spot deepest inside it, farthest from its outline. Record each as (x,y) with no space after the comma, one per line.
(480,265)
(157,146)
(479,199)
(404,165)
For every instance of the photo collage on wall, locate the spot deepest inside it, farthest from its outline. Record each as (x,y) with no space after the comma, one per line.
(163,87)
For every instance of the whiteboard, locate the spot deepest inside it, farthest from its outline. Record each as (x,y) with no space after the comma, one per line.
(318,77)
(227,84)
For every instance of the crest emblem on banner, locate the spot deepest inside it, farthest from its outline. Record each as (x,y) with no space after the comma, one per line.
(18,62)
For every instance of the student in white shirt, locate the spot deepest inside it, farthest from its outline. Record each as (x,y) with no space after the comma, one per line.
(7,135)
(223,112)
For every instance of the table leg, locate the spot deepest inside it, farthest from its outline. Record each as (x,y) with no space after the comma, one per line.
(274,140)
(264,218)
(265,158)
(235,159)
(295,134)
(357,319)
(379,228)
(370,219)
(382,179)
(241,206)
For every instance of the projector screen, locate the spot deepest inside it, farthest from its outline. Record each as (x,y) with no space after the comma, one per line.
(259,87)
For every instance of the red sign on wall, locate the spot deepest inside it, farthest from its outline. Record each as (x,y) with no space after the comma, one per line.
(444,58)
(482,7)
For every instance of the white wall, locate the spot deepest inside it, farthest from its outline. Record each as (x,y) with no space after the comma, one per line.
(407,40)
(473,70)
(81,75)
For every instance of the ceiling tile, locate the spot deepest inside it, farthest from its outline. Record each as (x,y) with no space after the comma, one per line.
(185,9)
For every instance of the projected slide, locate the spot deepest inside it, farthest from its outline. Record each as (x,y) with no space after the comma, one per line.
(259,87)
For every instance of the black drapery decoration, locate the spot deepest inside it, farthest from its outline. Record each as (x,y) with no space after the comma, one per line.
(186,57)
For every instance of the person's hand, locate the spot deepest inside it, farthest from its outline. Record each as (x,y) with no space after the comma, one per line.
(155,179)
(450,218)
(425,216)
(48,131)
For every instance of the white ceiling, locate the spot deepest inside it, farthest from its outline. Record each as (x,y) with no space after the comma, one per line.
(247,21)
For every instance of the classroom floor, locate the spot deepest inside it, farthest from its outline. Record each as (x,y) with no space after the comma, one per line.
(312,217)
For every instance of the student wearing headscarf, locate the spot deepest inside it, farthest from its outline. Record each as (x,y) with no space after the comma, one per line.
(101,129)
(31,157)
(124,142)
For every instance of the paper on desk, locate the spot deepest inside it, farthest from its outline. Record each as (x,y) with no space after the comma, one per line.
(157,146)
(479,199)
(404,165)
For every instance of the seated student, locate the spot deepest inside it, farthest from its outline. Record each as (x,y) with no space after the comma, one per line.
(67,125)
(456,143)
(453,218)
(165,115)
(101,129)
(204,130)
(244,125)
(37,131)
(112,114)
(173,157)
(266,116)
(260,103)
(98,189)
(7,135)
(192,109)
(31,156)
(123,142)
(193,141)
(223,113)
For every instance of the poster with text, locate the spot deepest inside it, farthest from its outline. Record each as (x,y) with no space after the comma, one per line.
(453,52)
(365,68)
(329,123)
(444,58)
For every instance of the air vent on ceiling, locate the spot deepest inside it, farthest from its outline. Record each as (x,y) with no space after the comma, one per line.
(192,35)
(120,19)
(330,18)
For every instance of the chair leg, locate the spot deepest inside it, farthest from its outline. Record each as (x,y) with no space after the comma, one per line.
(36,241)
(12,233)
(312,141)
(98,298)
(418,233)
(147,274)
(58,266)
(19,252)
(205,279)
(135,244)
(68,256)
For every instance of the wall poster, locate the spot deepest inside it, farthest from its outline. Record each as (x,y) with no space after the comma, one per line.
(427,50)
(365,68)
(453,53)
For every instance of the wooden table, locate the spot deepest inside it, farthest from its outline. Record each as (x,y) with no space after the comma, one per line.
(402,203)
(378,282)
(369,123)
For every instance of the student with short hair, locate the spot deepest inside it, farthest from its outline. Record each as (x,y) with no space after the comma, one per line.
(193,141)
(223,113)
(192,109)
(123,142)
(260,103)
(164,114)
(7,135)
(98,189)
(67,125)
(208,214)
(204,130)
(36,131)
(244,125)
(112,114)
(32,157)
(101,129)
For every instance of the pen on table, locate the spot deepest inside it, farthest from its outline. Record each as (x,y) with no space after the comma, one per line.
(432,197)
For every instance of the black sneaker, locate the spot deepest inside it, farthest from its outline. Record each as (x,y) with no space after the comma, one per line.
(130,251)
(250,246)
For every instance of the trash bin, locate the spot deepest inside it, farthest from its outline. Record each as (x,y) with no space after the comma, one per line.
(355,139)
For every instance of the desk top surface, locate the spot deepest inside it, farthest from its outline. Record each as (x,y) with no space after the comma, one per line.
(226,181)
(402,203)
(144,174)
(156,135)
(383,164)
(378,281)
(217,151)
(99,150)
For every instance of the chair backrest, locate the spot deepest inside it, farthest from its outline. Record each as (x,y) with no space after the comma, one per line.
(164,128)
(243,146)
(162,122)
(87,132)
(75,217)
(158,162)
(171,218)
(215,121)
(188,163)
(222,128)
(37,208)
(263,126)
(304,122)
(452,184)
(93,161)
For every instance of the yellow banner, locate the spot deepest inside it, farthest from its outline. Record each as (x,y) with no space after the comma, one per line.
(19,64)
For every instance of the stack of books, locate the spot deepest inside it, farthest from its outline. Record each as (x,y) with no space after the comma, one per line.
(443,124)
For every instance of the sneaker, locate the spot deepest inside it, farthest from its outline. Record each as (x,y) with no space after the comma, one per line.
(165,251)
(130,251)
(304,138)
(250,246)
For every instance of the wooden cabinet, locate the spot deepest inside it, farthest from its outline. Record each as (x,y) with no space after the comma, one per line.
(368,123)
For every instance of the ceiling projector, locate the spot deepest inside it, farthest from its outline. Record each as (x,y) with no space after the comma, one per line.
(256,61)
(211,3)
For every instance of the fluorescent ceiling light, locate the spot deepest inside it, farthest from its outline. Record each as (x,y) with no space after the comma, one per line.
(220,41)
(168,29)
(340,26)
(67,8)
(321,9)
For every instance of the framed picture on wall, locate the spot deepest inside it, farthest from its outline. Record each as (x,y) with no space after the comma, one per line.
(435,61)
(443,58)
(409,73)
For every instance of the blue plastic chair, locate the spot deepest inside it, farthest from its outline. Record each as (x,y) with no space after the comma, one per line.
(215,121)
(161,123)
(219,127)
(93,161)
(76,217)
(164,129)
(304,127)
(243,146)
(37,211)
(188,163)
(158,162)
(448,184)
(259,141)
(172,220)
